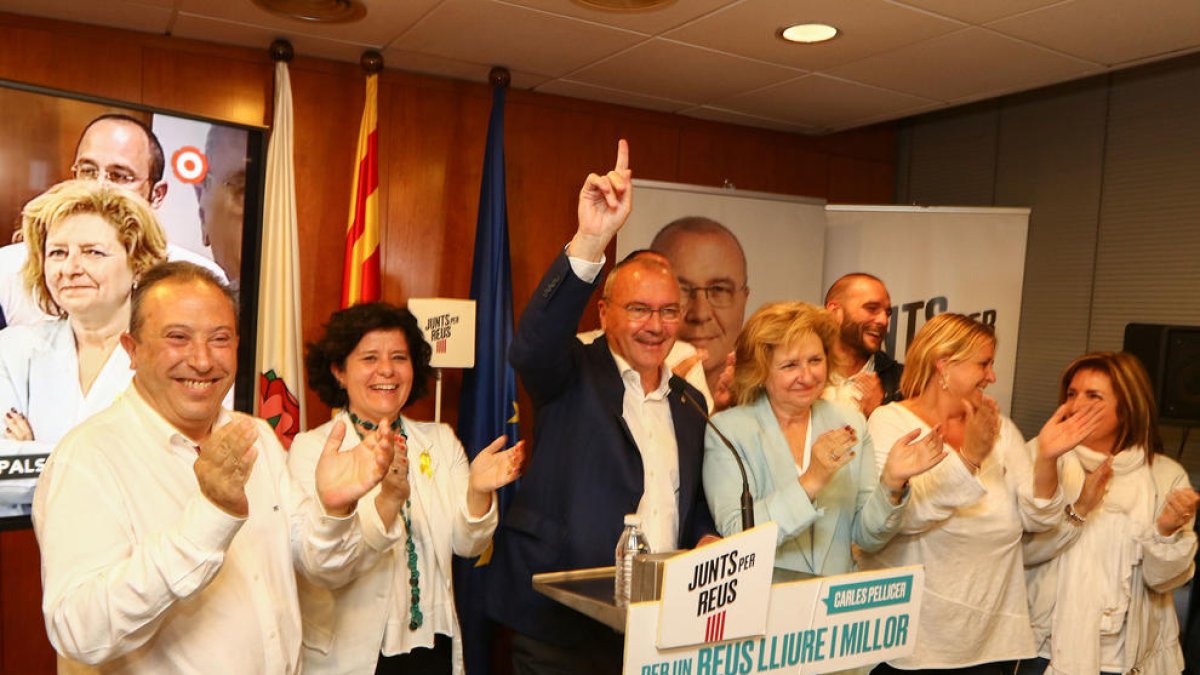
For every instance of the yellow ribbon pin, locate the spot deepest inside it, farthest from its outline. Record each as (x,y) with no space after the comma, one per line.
(425,464)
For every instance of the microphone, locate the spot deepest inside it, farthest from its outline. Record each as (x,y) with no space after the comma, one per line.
(677,386)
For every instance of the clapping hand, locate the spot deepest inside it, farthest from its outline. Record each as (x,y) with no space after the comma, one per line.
(224,464)
(911,457)
(831,451)
(870,392)
(491,470)
(604,204)
(1066,429)
(344,477)
(981,428)
(723,394)
(1178,511)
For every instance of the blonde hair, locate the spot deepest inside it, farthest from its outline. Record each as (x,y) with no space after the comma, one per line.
(774,326)
(137,229)
(1137,413)
(953,337)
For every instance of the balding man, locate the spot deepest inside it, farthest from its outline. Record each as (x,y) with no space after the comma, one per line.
(121,150)
(711,267)
(860,371)
(608,440)
(221,197)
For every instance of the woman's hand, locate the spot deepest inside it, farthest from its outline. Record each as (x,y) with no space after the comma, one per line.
(16,427)
(394,489)
(911,457)
(982,425)
(1178,511)
(831,451)
(1065,430)
(491,470)
(1095,484)
(344,477)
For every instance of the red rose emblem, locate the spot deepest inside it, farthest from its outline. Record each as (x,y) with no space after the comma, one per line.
(278,407)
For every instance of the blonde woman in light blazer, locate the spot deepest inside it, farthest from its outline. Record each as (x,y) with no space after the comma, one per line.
(372,361)
(810,462)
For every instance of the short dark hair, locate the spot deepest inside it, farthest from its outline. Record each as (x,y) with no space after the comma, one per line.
(157,161)
(838,289)
(176,272)
(345,329)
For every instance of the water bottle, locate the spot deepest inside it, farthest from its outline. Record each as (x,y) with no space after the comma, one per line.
(631,543)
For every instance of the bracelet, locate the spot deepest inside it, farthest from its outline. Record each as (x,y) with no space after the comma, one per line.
(1073,517)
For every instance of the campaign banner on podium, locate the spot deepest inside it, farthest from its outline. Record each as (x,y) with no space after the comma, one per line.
(449,328)
(718,591)
(821,625)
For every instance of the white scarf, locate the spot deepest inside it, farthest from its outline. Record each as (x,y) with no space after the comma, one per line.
(1096,572)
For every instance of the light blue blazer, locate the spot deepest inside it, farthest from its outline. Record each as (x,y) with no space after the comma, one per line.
(814,536)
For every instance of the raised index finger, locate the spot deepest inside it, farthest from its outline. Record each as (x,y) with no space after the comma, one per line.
(622,155)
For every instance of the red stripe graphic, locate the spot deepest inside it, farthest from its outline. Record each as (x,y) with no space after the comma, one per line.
(714,629)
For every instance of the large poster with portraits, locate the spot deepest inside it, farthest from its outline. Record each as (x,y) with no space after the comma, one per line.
(200,180)
(965,260)
(733,251)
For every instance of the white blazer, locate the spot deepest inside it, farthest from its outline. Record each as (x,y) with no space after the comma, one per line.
(346,629)
(39,378)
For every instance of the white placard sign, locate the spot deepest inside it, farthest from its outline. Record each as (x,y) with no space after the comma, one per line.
(817,626)
(449,328)
(720,591)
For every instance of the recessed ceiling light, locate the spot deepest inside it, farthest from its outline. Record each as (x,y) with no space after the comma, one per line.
(809,33)
(316,11)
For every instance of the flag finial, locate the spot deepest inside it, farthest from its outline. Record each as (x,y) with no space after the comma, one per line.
(281,50)
(371,61)
(499,77)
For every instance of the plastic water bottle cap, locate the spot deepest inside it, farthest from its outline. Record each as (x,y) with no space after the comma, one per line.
(633,519)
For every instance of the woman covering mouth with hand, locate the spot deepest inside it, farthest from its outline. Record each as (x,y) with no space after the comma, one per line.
(399,615)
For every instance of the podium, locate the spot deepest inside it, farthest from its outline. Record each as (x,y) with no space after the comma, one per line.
(587,591)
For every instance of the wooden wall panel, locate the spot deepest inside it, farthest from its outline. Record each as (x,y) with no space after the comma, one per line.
(431,135)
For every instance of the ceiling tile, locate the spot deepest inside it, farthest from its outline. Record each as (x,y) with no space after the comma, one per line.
(823,102)
(651,22)
(1111,31)
(729,116)
(966,65)
(255,37)
(607,95)
(977,11)
(482,31)
(454,69)
(147,16)
(667,69)
(385,19)
(867,27)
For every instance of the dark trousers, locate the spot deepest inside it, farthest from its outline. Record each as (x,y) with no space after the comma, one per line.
(436,660)
(1001,668)
(601,654)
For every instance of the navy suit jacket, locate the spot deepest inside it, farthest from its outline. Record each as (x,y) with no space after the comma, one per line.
(586,471)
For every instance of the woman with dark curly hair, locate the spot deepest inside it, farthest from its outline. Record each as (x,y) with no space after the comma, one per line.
(399,615)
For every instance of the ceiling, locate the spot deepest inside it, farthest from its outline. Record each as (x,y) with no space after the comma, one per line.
(712,59)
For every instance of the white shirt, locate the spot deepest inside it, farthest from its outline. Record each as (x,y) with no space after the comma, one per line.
(680,352)
(39,378)
(142,574)
(845,389)
(21,309)
(346,629)
(648,416)
(966,529)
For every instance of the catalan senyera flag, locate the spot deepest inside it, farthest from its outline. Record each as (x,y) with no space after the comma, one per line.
(488,406)
(360,276)
(279,361)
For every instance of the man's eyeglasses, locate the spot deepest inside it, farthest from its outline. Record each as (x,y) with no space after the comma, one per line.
(668,313)
(718,295)
(116,176)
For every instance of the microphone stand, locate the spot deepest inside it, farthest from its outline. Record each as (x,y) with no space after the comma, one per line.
(677,386)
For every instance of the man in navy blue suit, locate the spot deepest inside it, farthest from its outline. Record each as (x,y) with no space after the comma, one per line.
(608,438)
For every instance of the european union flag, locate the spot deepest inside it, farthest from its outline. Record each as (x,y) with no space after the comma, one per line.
(488,406)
